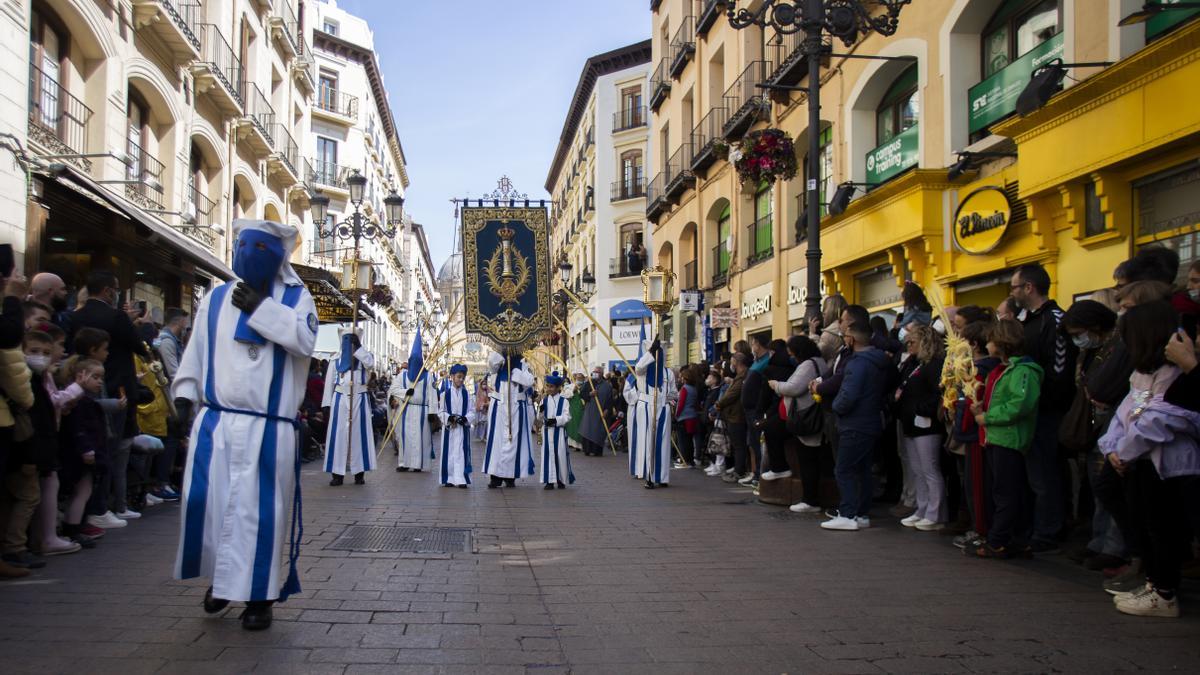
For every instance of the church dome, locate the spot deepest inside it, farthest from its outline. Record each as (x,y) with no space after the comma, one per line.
(451,271)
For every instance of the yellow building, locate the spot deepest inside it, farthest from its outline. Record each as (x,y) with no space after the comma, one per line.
(959,189)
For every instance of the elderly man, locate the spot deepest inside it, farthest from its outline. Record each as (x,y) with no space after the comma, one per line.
(597,398)
(246,367)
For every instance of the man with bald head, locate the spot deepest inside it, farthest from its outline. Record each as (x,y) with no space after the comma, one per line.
(50,290)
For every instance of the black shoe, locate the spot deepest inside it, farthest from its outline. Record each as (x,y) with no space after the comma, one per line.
(257,615)
(213,605)
(416,471)
(510,482)
(561,486)
(664,485)
(360,478)
(649,485)
(1045,548)
(549,486)
(336,480)
(25,560)
(402,469)
(495,482)
(462,487)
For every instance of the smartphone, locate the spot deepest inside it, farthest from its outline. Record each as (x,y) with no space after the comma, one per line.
(141,306)
(8,261)
(1187,324)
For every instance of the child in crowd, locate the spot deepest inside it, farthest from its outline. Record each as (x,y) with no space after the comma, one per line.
(1007,415)
(82,441)
(45,524)
(973,468)
(92,344)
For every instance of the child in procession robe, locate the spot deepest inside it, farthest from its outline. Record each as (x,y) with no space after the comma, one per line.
(554,412)
(457,411)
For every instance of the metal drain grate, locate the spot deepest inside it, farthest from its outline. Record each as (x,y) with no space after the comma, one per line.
(370,539)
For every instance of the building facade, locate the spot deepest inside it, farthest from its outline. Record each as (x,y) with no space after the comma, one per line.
(598,217)
(1100,169)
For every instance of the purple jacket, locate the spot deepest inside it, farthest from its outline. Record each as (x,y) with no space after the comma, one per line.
(1168,434)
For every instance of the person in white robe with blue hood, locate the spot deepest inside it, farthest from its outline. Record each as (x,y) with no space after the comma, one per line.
(651,416)
(350,439)
(415,395)
(245,368)
(635,439)
(554,412)
(509,452)
(457,411)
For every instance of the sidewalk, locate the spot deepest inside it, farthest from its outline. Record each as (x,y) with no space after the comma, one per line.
(605,577)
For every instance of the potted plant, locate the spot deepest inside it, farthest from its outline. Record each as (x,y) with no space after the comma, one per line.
(765,155)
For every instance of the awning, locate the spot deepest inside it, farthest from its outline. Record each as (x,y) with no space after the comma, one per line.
(629,309)
(160,232)
(332,305)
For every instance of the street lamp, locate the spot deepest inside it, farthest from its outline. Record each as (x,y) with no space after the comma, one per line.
(846,20)
(564,271)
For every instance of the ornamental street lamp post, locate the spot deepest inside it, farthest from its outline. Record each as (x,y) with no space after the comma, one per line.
(846,20)
(356,274)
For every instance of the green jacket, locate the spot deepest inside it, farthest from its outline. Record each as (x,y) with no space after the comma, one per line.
(1012,410)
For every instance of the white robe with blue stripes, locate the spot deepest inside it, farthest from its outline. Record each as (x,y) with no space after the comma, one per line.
(455,467)
(342,443)
(510,431)
(556,460)
(637,467)
(414,437)
(239,488)
(651,433)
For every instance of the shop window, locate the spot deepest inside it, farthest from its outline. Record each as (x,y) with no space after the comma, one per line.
(899,108)
(1094,221)
(825,183)
(1017,27)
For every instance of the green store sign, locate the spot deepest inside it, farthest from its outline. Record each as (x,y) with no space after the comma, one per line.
(996,97)
(1163,21)
(893,157)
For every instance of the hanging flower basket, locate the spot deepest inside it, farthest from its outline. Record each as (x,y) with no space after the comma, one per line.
(380,295)
(720,149)
(765,155)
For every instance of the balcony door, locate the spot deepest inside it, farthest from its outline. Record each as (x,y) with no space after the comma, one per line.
(328,87)
(326,161)
(136,123)
(631,173)
(47,53)
(631,107)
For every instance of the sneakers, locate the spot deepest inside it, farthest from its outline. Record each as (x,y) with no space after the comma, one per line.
(982,549)
(1128,584)
(167,494)
(1144,588)
(962,540)
(840,523)
(60,547)
(108,521)
(729,476)
(151,500)
(776,475)
(927,525)
(1149,603)
(91,531)
(746,480)
(801,507)
(911,521)
(11,571)
(863,522)
(129,514)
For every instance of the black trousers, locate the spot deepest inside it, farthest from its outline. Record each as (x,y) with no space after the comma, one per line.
(1118,495)
(737,445)
(1163,523)
(813,462)
(1012,520)
(776,456)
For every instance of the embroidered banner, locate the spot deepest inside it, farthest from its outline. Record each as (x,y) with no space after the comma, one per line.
(506,273)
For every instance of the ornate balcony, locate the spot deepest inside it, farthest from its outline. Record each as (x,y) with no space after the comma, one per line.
(720,264)
(792,66)
(143,168)
(705,137)
(633,118)
(709,14)
(175,23)
(683,46)
(631,188)
(656,198)
(284,162)
(206,228)
(745,100)
(218,73)
(329,177)
(255,125)
(285,29)
(679,173)
(58,122)
(660,85)
(336,106)
(762,243)
(304,68)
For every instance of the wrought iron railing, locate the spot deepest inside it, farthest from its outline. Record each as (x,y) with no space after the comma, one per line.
(141,168)
(710,11)
(259,110)
(660,84)
(328,173)
(786,53)
(291,25)
(186,14)
(630,118)
(57,119)
(222,60)
(633,187)
(683,45)
(707,134)
(205,212)
(744,98)
(762,245)
(286,147)
(689,276)
(720,263)
(337,102)
(679,169)
(655,191)
(619,267)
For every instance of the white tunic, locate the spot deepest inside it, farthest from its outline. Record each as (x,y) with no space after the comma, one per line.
(510,439)
(239,488)
(412,432)
(556,460)
(652,425)
(637,449)
(456,440)
(340,441)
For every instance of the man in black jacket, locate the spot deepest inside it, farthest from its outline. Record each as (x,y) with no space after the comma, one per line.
(1046,344)
(752,389)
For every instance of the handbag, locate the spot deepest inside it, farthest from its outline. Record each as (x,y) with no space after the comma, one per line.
(807,422)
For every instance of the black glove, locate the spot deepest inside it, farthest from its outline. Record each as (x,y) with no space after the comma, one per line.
(408,393)
(463,421)
(245,298)
(656,347)
(551,422)
(355,342)
(183,406)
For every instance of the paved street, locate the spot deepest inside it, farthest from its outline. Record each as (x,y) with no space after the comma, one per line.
(603,578)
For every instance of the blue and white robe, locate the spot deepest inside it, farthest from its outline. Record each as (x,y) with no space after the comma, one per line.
(240,492)
(651,433)
(510,426)
(636,450)
(341,443)
(556,459)
(456,440)
(413,435)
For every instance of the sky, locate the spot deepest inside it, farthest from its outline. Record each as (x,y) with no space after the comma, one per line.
(480,89)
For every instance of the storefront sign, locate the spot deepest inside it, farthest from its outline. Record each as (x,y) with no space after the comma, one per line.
(725,317)
(996,96)
(689,301)
(981,220)
(1163,21)
(798,293)
(893,157)
(756,303)
(627,335)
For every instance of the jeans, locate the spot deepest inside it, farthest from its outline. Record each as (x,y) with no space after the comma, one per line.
(776,455)
(1106,536)
(853,472)
(1010,492)
(736,432)
(1045,477)
(754,448)
(119,477)
(1114,493)
(922,453)
(165,461)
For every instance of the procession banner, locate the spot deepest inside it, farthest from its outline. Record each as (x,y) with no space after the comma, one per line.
(506,274)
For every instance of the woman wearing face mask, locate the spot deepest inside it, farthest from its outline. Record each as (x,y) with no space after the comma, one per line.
(1102,381)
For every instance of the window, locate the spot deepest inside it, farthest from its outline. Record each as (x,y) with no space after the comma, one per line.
(825,184)
(631,174)
(1093,223)
(899,108)
(135,134)
(631,108)
(1018,26)
(47,55)
(760,231)
(195,182)
(325,165)
(724,230)
(329,26)
(327,88)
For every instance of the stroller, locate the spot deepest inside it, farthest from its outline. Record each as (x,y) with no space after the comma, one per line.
(617,435)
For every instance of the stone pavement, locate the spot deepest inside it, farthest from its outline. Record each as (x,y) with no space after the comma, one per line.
(603,578)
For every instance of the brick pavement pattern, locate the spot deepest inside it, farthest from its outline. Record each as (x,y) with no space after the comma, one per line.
(606,577)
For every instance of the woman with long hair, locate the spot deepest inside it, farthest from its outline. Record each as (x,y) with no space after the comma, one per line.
(809,366)
(918,400)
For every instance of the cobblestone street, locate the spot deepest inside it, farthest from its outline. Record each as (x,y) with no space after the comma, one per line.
(603,578)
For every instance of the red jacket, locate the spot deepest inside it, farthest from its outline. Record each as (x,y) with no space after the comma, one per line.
(989,384)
